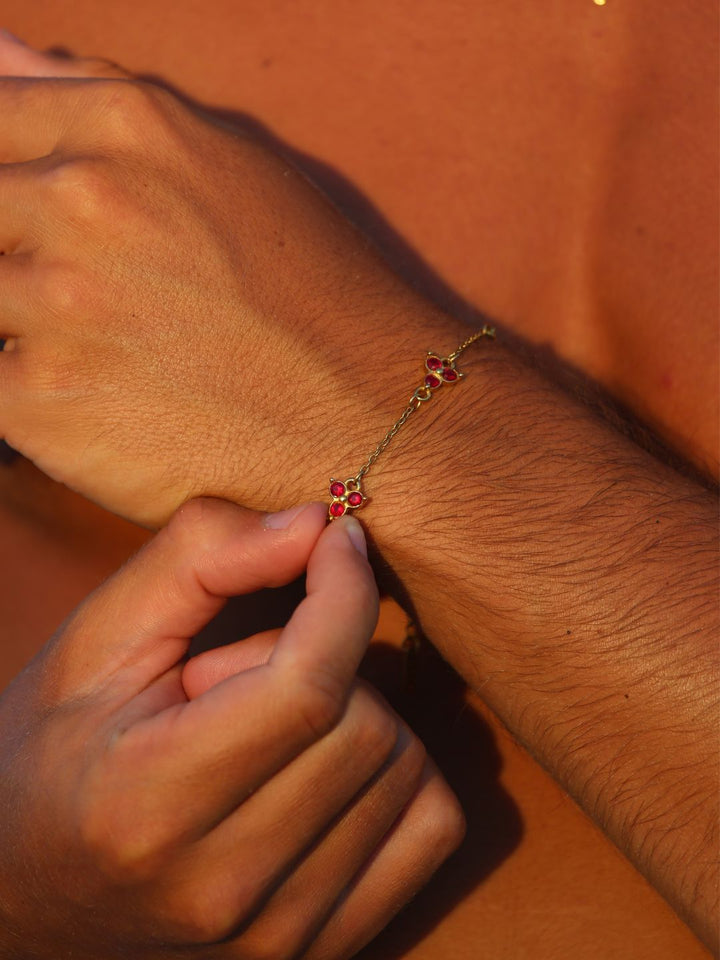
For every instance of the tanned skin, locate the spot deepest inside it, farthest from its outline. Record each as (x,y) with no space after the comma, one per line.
(547,519)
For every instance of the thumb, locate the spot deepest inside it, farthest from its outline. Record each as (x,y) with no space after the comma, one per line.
(17,59)
(139,623)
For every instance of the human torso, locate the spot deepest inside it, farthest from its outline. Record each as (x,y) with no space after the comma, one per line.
(548,164)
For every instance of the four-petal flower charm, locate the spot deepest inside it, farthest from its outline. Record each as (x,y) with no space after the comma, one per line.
(440,370)
(345,496)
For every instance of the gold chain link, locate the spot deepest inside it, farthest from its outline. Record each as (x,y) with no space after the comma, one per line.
(485,332)
(411,408)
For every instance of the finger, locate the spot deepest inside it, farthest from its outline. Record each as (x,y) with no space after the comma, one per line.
(286,854)
(294,699)
(342,602)
(138,624)
(12,380)
(34,112)
(210,739)
(292,917)
(17,59)
(39,114)
(429,830)
(24,203)
(15,208)
(98,67)
(211,667)
(18,292)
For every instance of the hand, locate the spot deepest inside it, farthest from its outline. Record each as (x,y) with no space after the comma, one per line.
(185,309)
(252,802)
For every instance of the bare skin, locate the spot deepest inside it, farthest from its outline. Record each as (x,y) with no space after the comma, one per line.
(169,847)
(703,412)
(519,152)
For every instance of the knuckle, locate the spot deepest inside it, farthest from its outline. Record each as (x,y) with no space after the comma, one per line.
(202,916)
(319,703)
(64,290)
(451,826)
(414,757)
(280,939)
(199,525)
(126,850)
(53,382)
(201,913)
(129,109)
(187,518)
(375,728)
(444,822)
(82,189)
(377,739)
(101,68)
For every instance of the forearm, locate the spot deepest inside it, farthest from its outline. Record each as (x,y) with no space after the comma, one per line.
(566,573)
(572,579)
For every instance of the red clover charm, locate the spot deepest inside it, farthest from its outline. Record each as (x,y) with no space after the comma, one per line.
(345,496)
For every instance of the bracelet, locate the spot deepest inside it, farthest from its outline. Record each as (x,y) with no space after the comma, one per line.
(347,494)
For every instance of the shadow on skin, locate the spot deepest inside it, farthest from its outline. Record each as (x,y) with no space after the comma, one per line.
(242,617)
(432,698)
(355,206)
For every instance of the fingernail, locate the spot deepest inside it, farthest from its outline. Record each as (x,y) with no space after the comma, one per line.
(6,35)
(356,534)
(283,519)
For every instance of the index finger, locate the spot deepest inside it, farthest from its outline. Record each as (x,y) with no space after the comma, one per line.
(40,114)
(35,114)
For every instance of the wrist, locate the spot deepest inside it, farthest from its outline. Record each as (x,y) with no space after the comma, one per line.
(419,505)
(384,434)
(334,393)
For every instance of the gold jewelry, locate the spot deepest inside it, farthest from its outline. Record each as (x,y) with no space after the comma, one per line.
(347,494)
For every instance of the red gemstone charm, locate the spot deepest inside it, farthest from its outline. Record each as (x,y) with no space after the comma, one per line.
(345,496)
(440,370)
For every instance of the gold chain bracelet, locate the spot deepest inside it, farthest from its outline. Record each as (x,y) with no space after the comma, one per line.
(347,494)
